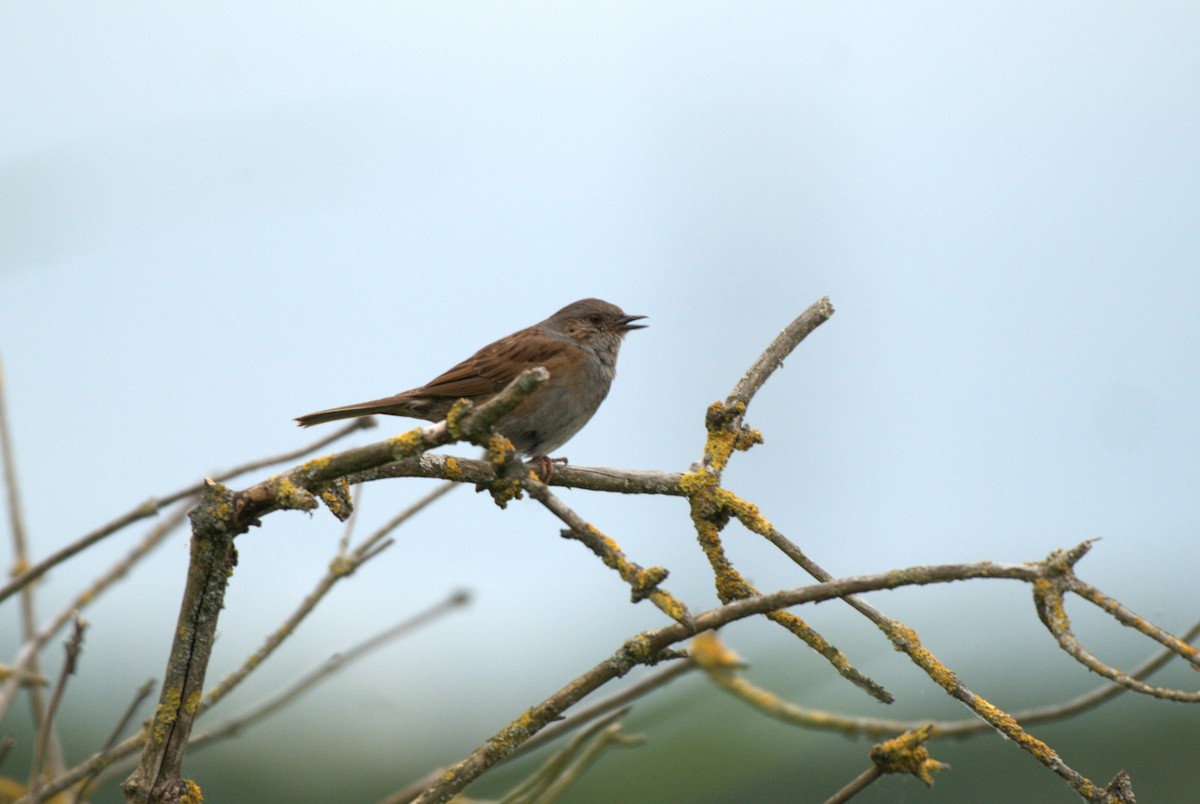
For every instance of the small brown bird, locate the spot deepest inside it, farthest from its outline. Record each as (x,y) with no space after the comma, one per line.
(578,345)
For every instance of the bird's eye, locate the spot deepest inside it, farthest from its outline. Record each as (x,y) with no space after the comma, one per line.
(596,318)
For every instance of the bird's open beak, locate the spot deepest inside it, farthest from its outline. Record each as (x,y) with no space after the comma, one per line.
(626,322)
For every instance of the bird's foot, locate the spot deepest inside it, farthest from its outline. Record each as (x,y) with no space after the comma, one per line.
(544,466)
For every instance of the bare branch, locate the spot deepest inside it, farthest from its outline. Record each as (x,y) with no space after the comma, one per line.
(152,506)
(84,598)
(1048,596)
(856,785)
(774,355)
(563,726)
(341,567)
(32,665)
(143,692)
(41,745)
(643,582)
(330,666)
(590,478)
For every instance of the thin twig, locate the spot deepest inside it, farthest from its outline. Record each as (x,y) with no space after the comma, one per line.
(472,471)
(563,726)
(773,356)
(647,646)
(1049,599)
(139,697)
(561,772)
(725,674)
(152,506)
(41,745)
(643,582)
(86,597)
(333,664)
(712,506)
(32,666)
(856,785)
(1126,617)
(342,566)
(533,787)
(348,529)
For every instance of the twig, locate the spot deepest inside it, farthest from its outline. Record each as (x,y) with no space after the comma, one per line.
(83,599)
(609,737)
(348,529)
(470,471)
(291,693)
(41,745)
(563,726)
(644,583)
(856,785)
(723,670)
(548,783)
(152,506)
(330,666)
(648,646)
(222,515)
(1127,618)
(712,506)
(32,665)
(1048,596)
(783,345)
(139,697)
(903,754)
(342,566)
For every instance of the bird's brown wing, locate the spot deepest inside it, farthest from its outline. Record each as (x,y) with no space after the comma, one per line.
(478,377)
(494,366)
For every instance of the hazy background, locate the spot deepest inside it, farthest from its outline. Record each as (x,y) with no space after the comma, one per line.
(218,217)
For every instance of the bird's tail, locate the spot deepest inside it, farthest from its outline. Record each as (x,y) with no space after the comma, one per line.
(350,412)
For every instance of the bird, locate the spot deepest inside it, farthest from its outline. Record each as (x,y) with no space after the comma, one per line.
(578,346)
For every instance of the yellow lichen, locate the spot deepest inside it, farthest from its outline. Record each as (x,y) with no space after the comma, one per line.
(165,715)
(711,653)
(313,466)
(454,419)
(408,444)
(341,566)
(747,438)
(907,754)
(638,648)
(192,794)
(669,606)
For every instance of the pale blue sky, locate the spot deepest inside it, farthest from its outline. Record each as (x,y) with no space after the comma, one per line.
(218,217)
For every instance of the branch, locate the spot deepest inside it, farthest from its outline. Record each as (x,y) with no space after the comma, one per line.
(1048,597)
(41,745)
(83,599)
(589,478)
(32,664)
(563,726)
(222,515)
(333,664)
(296,489)
(649,646)
(771,359)
(152,506)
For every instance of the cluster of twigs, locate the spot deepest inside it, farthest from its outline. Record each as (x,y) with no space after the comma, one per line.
(686,642)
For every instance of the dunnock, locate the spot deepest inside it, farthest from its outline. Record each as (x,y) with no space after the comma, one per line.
(578,345)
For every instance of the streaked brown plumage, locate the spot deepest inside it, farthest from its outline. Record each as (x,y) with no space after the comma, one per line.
(578,345)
